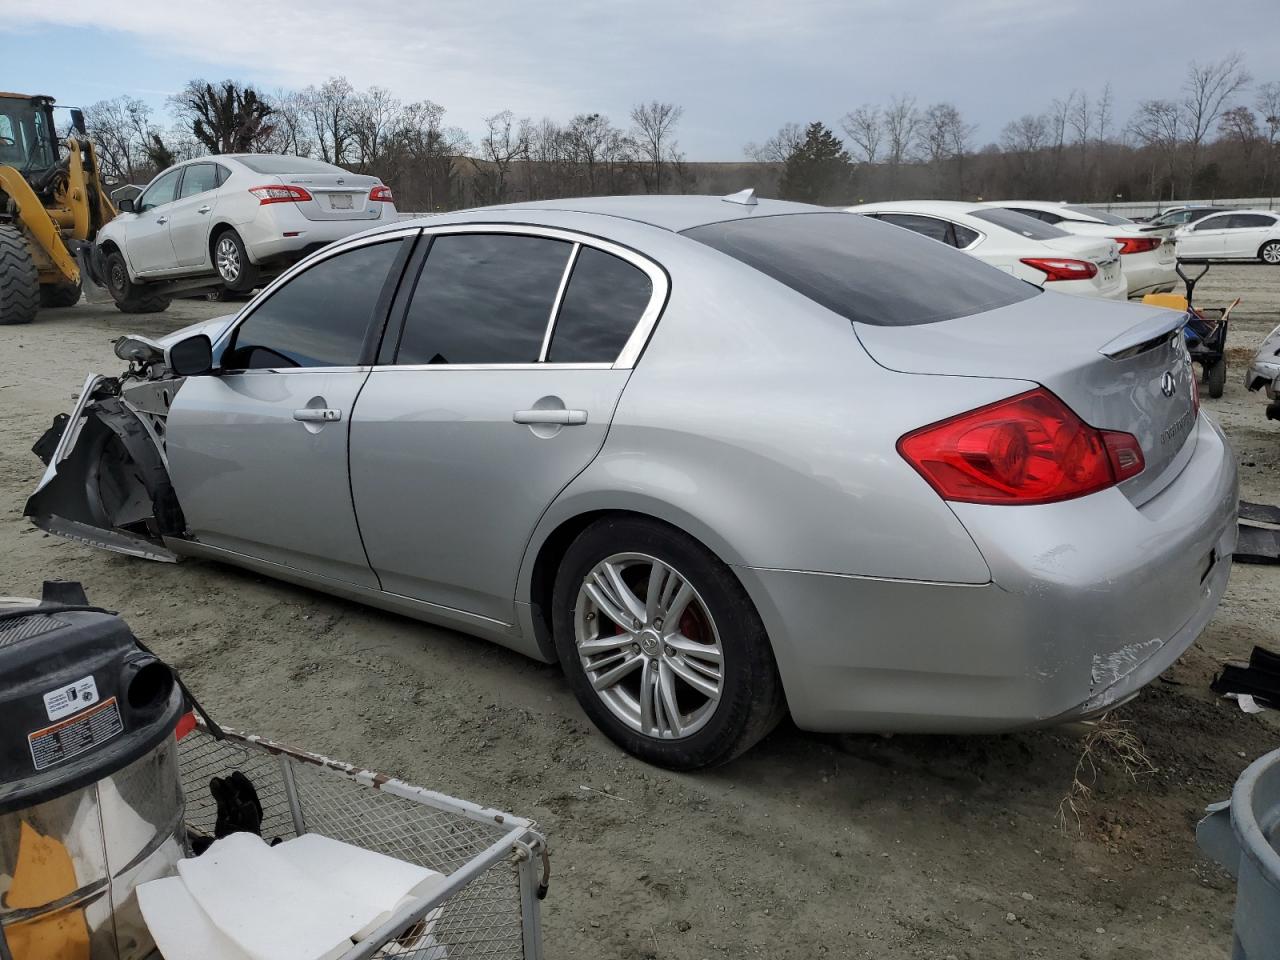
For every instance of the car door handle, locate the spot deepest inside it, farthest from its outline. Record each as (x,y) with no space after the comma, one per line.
(565,418)
(205,209)
(162,220)
(317,414)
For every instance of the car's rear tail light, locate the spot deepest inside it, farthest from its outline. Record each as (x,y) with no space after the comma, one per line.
(1138,244)
(1061,268)
(280,193)
(381,193)
(1027,449)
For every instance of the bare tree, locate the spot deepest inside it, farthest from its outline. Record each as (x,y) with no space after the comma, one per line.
(329,108)
(780,147)
(1268,104)
(293,124)
(120,129)
(1157,125)
(227,117)
(505,141)
(864,126)
(1207,91)
(374,115)
(901,127)
(653,130)
(430,149)
(944,136)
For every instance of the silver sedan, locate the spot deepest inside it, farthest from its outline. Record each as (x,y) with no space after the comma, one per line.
(722,459)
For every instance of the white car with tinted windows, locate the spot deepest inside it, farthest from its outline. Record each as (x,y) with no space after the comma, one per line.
(1029,249)
(1238,235)
(1148,252)
(234,220)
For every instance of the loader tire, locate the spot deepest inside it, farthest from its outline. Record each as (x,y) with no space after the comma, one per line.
(60,294)
(19,282)
(131,297)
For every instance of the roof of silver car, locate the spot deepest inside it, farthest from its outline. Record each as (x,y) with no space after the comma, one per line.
(670,212)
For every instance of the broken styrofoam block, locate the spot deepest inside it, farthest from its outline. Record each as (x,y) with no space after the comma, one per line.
(267,906)
(181,930)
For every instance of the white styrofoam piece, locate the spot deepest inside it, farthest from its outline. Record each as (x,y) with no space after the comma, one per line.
(181,930)
(360,875)
(270,908)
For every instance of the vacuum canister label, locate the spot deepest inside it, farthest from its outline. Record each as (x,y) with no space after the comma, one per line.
(72,737)
(71,698)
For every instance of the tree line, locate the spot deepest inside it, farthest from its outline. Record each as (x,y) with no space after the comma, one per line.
(1219,135)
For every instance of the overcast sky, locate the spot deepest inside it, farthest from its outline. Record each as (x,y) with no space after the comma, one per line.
(739,69)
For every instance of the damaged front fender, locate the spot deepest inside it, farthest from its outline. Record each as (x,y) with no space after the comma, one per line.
(106,483)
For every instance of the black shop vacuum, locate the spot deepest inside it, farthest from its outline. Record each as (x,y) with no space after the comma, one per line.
(91,800)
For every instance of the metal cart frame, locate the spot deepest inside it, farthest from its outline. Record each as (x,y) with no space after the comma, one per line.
(496,864)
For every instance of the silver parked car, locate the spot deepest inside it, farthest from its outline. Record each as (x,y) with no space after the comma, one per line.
(720,459)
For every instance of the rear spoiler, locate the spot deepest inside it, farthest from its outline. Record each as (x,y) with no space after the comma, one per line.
(1143,336)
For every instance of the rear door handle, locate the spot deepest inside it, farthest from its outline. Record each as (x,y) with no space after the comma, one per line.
(317,415)
(565,418)
(205,209)
(162,220)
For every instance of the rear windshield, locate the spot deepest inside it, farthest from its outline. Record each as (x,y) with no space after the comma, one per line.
(263,163)
(1019,223)
(865,271)
(1102,215)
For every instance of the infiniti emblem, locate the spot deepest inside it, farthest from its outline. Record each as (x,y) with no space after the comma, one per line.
(1167,385)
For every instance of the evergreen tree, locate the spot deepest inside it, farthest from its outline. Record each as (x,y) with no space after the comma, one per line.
(818,169)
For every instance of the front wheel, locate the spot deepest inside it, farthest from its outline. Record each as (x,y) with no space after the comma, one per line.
(60,294)
(1270,253)
(662,646)
(231,260)
(131,297)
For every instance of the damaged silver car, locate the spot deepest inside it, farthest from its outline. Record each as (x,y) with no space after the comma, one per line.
(720,458)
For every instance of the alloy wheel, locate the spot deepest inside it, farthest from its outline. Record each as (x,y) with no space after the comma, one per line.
(227,256)
(649,646)
(1271,254)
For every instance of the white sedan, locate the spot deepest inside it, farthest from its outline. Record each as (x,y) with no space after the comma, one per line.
(1238,235)
(231,220)
(1148,252)
(1029,249)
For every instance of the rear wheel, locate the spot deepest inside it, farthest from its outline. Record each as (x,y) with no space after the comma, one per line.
(662,645)
(19,281)
(60,294)
(232,262)
(131,297)
(1270,253)
(1216,377)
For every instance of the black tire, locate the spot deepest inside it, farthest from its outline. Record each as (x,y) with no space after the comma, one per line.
(751,701)
(19,281)
(1269,253)
(1216,377)
(130,297)
(58,295)
(237,272)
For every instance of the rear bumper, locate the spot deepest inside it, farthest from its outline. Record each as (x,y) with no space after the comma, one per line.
(1149,275)
(264,237)
(1090,600)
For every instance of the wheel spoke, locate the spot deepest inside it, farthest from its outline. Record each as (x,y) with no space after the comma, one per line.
(607,605)
(605,644)
(618,589)
(692,648)
(667,691)
(648,697)
(610,677)
(694,679)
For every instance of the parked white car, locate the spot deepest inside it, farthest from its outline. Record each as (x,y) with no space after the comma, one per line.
(235,219)
(1238,235)
(1148,253)
(1029,249)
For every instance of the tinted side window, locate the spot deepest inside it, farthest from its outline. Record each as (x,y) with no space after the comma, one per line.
(930,227)
(320,317)
(198,178)
(222,173)
(1212,223)
(602,305)
(865,271)
(1247,220)
(965,236)
(483,298)
(162,191)
(1018,223)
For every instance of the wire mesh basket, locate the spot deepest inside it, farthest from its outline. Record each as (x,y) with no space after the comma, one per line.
(495,864)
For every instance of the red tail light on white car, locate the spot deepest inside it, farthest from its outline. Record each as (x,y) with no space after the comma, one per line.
(381,193)
(1031,448)
(1062,268)
(1138,244)
(278,193)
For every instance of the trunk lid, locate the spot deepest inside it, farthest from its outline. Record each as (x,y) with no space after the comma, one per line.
(1119,366)
(1103,252)
(335,196)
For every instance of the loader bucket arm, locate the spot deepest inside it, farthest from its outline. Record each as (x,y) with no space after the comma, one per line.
(53,259)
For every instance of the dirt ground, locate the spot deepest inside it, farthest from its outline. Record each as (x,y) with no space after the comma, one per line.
(809,846)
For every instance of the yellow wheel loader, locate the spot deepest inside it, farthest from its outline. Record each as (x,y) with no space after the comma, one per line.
(51,206)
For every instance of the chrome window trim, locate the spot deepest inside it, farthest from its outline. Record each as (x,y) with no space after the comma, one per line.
(307,263)
(295,370)
(635,344)
(935,216)
(555,304)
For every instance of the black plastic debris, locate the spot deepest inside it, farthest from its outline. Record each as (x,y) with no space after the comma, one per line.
(1257,544)
(1260,679)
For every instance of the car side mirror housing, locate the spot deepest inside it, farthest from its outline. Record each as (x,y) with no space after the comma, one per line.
(126,206)
(192,357)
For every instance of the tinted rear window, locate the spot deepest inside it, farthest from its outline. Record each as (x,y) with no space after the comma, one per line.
(274,164)
(1019,223)
(865,271)
(1102,215)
